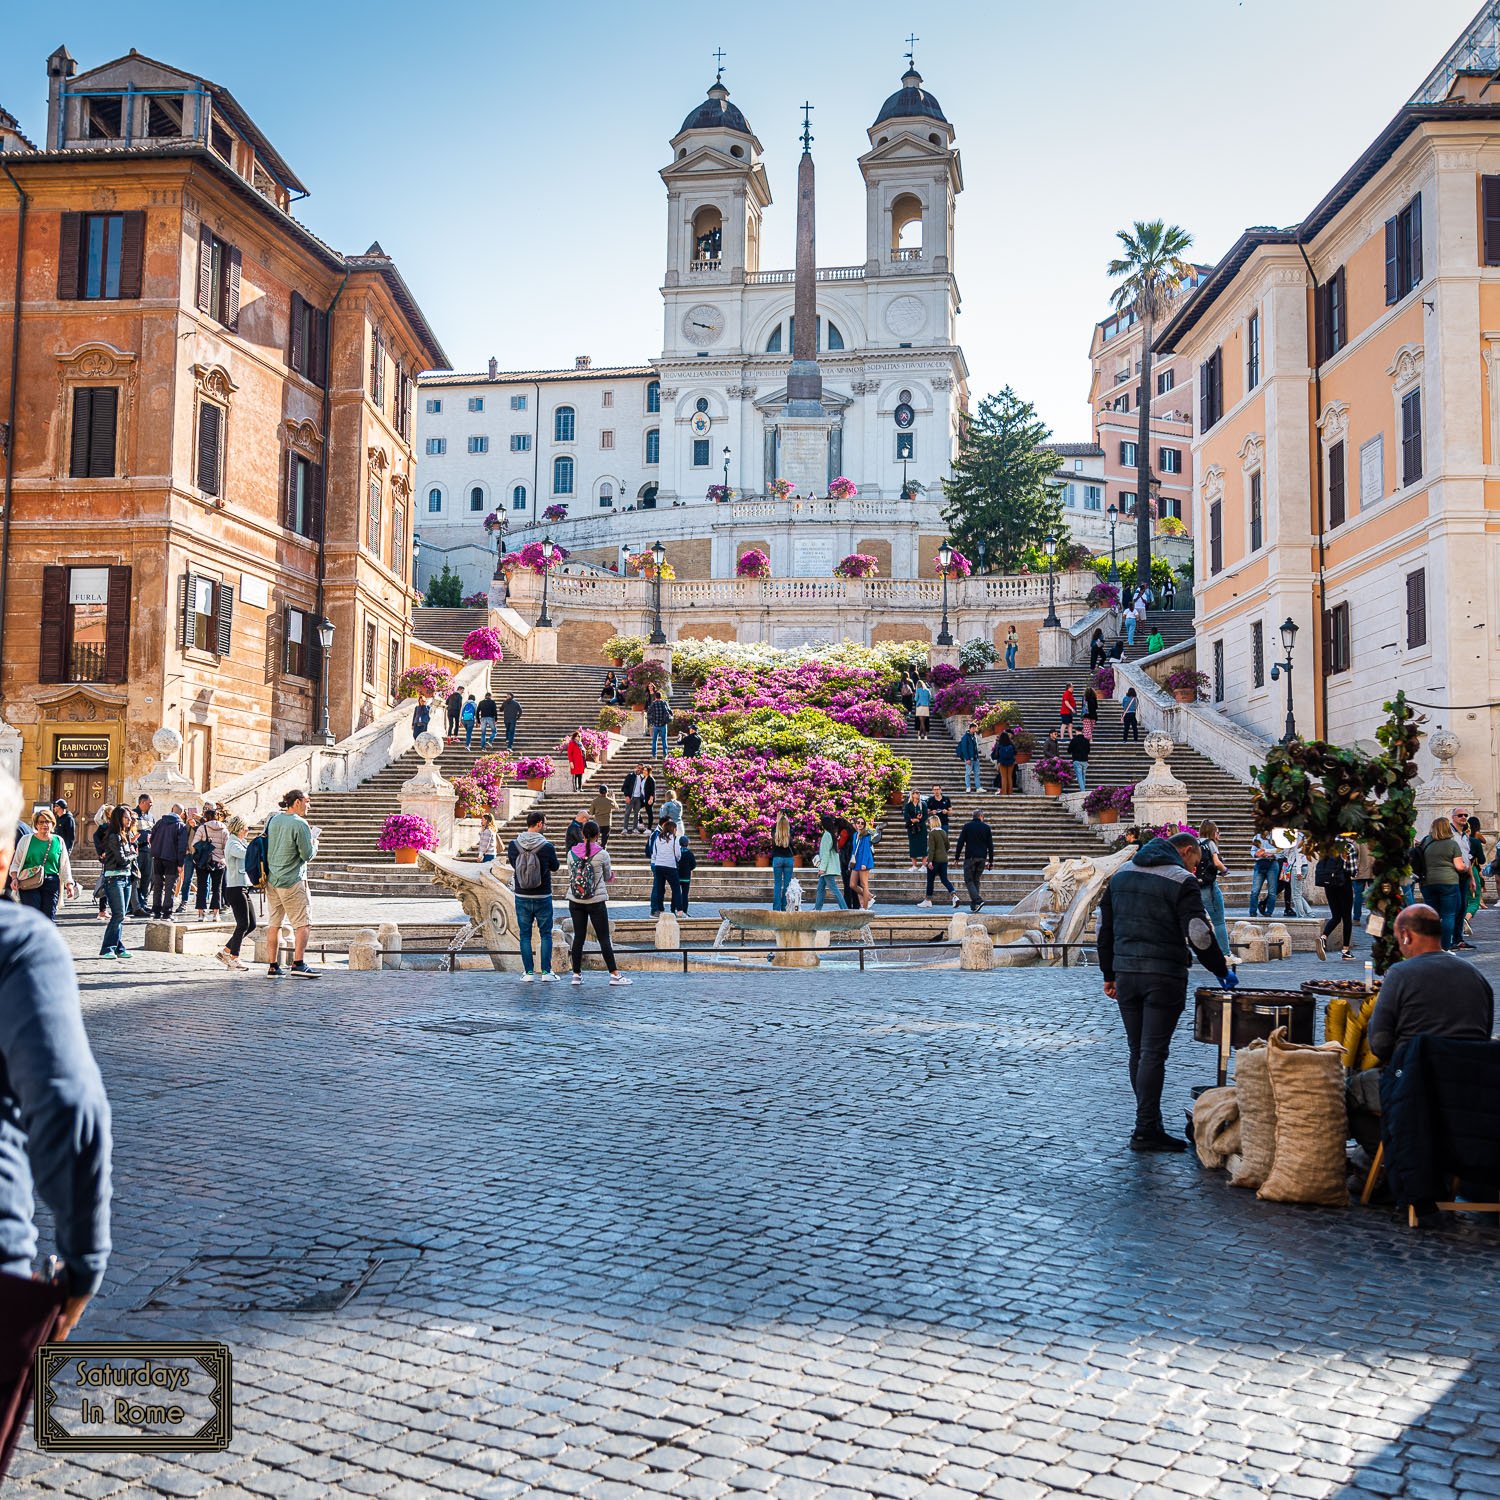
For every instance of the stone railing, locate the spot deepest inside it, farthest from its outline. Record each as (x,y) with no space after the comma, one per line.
(786,278)
(425,654)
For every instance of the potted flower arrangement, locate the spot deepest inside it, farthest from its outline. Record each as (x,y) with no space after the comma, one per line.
(753,564)
(958,699)
(720,493)
(943,675)
(991,718)
(495,521)
(555,512)
(974,656)
(779,489)
(534,771)
(643,676)
(644,563)
(958,567)
(1104,596)
(1025,743)
(857,565)
(1055,774)
(842,488)
(476,601)
(1186,685)
(1104,681)
(483,644)
(611,719)
(1171,526)
(404,833)
(426,681)
(624,650)
(1106,803)
(530,557)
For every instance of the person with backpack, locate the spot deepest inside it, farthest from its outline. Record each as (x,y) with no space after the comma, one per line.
(1004,756)
(1210,867)
(937,861)
(589,875)
(968,753)
(1334,874)
(687,862)
(663,853)
(119,870)
(140,894)
(169,847)
(1078,752)
(533,859)
(189,863)
(921,700)
(510,711)
(237,893)
(209,853)
(468,711)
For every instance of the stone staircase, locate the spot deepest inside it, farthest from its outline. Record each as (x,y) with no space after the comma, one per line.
(446,627)
(1176,626)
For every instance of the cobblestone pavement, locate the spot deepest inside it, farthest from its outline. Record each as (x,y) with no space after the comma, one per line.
(816,1234)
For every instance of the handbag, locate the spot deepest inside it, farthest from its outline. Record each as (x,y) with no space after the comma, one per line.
(32,876)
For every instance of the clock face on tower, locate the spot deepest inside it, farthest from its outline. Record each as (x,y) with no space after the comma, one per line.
(702,324)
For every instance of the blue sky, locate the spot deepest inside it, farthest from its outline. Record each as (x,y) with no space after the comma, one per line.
(506,155)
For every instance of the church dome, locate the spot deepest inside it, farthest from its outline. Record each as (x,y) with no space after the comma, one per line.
(910,100)
(717,113)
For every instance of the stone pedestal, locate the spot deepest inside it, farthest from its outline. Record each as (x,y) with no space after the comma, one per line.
(429,794)
(668,933)
(160,937)
(1160,797)
(942,656)
(389,937)
(164,783)
(1054,647)
(1445,789)
(802,456)
(541,644)
(662,657)
(977,951)
(364,950)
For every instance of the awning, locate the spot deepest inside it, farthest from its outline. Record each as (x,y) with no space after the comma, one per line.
(75,765)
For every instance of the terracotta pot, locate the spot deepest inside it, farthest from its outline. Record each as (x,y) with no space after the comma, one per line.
(895,799)
(617,661)
(1185,695)
(762,861)
(535,783)
(1109,815)
(799,861)
(1022,757)
(405,856)
(1052,788)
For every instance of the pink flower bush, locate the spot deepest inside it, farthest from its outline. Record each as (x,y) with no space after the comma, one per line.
(1104,596)
(754,564)
(594,743)
(407,831)
(530,558)
(556,512)
(483,644)
(842,489)
(483,789)
(857,565)
(427,680)
(881,721)
(534,768)
(943,675)
(1054,769)
(810,685)
(960,567)
(476,601)
(958,699)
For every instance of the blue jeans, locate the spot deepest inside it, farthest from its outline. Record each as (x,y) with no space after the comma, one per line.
(971,774)
(1448,902)
(489,732)
(510,736)
(1010,658)
(115,887)
(836,884)
(1213,903)
(1081,772)
(781,878)
(659,732)
(469,734)
(1264,876)
(536,909)
(1359,900)
(663,879)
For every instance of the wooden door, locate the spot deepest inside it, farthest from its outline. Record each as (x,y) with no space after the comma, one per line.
(85,792)
(199,767)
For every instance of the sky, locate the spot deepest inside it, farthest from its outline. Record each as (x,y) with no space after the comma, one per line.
(507,155)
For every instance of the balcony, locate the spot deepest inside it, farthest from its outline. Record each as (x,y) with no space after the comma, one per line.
(85,662)
(786,278)
(907,255)
(703,267)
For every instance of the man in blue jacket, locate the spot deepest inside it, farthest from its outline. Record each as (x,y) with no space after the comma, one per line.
(54,1117)
(1151,926)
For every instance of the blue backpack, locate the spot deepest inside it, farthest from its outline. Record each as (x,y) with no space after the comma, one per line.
(255,861)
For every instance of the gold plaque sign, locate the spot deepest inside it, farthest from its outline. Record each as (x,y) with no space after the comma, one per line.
(80,749)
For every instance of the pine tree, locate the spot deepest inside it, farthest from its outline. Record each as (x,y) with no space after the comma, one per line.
(998,493)
(445,590)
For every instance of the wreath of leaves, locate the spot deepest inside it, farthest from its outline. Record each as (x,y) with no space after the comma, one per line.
(1328,793)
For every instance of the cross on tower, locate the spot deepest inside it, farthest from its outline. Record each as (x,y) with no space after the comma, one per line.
(911,43)
(807,135)
(719,56)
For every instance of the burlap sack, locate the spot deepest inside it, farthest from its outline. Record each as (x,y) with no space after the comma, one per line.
(1216,1126)
(1252,1086)
(1312,1124)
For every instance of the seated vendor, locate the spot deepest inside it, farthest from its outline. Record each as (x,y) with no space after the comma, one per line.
(1429,993)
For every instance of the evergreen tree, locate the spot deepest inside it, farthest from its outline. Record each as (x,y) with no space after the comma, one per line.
(998,493)
(445,590)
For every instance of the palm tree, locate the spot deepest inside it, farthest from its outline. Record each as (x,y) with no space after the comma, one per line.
(1149,278)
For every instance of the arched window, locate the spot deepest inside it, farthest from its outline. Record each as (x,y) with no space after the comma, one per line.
(906,227)
(653,396)
(653,445)
(701,404)
(606,496)
(646,497)
(434,502)
(708,236)
(476,497)
(773,344)
(562,476)
(563,425)
(835,338)
(518,497)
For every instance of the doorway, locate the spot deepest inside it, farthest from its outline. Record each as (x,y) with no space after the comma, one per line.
(198,756)
(85,792)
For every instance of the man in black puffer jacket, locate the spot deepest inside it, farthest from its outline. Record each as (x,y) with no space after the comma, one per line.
(1151,916)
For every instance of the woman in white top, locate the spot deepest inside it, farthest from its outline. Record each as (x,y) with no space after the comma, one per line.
(236,891)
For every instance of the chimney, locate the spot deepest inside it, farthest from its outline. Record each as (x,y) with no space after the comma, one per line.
(583,362)
(494,367)
(60,68)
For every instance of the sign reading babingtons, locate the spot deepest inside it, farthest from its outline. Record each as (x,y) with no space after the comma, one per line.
(133,1397)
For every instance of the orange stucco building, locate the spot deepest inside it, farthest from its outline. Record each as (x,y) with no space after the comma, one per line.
(210,445)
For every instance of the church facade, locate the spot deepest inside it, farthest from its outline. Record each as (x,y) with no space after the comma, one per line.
(620,445)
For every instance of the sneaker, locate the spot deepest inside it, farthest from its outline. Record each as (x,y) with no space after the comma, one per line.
(924,903)
(301,971)
(618,979)
(1321,944)
(274,972)
(578,979)
(234,963)
(1157,1140)
(109,953)
(527,978)
(122,953)
(549,978)
(225,957)
(955,903)
(1347,955)
(202,915)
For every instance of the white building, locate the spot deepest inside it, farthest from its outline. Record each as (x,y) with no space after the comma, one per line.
(628,439)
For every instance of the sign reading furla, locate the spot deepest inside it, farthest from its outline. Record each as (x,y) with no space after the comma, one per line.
(88,585)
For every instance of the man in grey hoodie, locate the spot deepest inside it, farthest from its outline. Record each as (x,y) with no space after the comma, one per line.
(534,861)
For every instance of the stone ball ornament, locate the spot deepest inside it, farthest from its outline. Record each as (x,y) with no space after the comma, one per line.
(1158,745)
(166,742)
(1444,745)
(429,745)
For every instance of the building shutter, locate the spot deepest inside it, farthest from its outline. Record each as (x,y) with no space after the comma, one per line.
(70,258)
(83,407)
(1391,268)
(232,292)
(1414,242)
(205,268)
(186,592)
(1489,208)
(226,617)
(210,445)
(1203,398)
(289,493)
(299,316)
(102,432)
(1416,608)
(117,627)
(315,502)
(1336,507)
(1322,320)
(312,648)
(320,354)
(1327,642)
(132,252)
(53,665)
(286,638)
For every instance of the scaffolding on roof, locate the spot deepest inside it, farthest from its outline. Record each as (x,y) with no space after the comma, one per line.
(1477,50)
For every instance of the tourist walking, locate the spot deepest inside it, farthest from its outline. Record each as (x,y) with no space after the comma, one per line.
(782,860)
(67,825)
(140,894)
(968,753)
(1012,646)
(189,865)
(1298,866)
(577,761)
(602,810)
(828,866)
(1332,873)
(1442,863)
(290,846)
(937,861)
(455,706)
(914,818)
(40,871)
(692,742)
(1090,712)
(490,716)
(1364,873)
(1138,609)
(589,875)
(1262,875)
(1052,746)
(237,892)
(487,842)
(639,791)
(1473,842)
(468,712)
(862,862)
(658,716)
(211,876)
(1169,593)
(940,805)
(976,849)
(118,871)
(533,860)
(1150,918)
(421,716)
(1210,866)
(922,706)
(1132,619)
(1067,708)
(907,694)
(1097,651)
(97,837)
(687,862)
(1003,754)
(662,854)
(169,847)
(1078,753)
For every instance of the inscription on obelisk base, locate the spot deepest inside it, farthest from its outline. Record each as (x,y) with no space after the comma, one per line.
(803,445)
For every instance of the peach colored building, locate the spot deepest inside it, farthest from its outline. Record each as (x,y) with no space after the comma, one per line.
(211,442)
(1347,415)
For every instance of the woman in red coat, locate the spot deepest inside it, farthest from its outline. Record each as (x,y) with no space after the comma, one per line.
(576,761)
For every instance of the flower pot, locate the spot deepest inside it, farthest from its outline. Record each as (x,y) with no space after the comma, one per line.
(1109,815)
(896,799)
(617,661)
(799,861)
(1185,695)
(762,861)
(535,783)
(1052,788)
(1022,756)
(405,856)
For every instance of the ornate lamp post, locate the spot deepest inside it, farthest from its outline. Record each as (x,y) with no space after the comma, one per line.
(325,641)
(726,471)
(983,549)
(1050,543)
(1114,520)
(1288,640)
(945,561)
(548,553)
(416,553)
(659,557)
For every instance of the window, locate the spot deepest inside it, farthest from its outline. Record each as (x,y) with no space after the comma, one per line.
(434,502)
(1093,497)
(1258,654)
(562,476)
(1210,390)
(1335,640)
(398,540)
(104,116)
(1403,251)
(1218,671)
(433,406)
(1078,466)
(1165,381)
(906,446)
(210,448)
(1120,403)
(1416,609)
(1489,213)
(308,351)
(653,396)
(1371,470)
(1127,502)
(1332,316)
(372,517)
(476,498)
(100,256)
(520,442)
(1216,537)
(700,453)
(1411,437)
(392,666)
(1336,502)
(218,279)
(377,368)
(1070,494)
(303,511)
(405,387)
(479,445)
(653,446)
(1170,460)
(563,424)
(95,410)
(301,652)
(476,403)
(1257,524)
(436,446)
(773,344)
(518,497)
(518,403)
(1252,351)
(606,496)
(701,404)
(1129,454)
(85,624)
(606,439)
(369,653)
(835,338)
(606,398)
(207,615)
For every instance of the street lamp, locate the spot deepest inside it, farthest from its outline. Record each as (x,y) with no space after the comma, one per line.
(726,471)
(1114,520)
(945,561)
(983,549)
(659,557)
(1050,543)
(416,554)
(548,553)
(325,641)
(1288,639)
